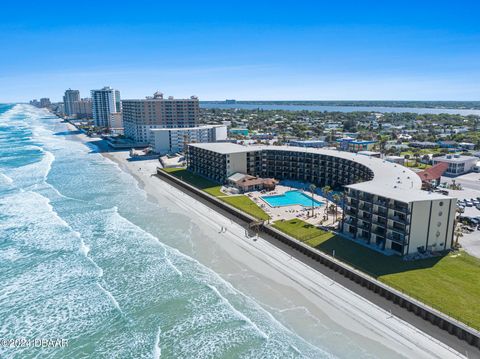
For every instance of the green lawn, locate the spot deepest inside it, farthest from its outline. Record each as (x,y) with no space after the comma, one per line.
(422,151)
(411,164)
(450,283)
(241,202)
(204,184)
(246,205)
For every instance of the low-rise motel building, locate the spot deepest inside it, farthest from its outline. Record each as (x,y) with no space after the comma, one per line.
(384,205)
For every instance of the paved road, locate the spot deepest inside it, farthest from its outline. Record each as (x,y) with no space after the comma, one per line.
(469,180)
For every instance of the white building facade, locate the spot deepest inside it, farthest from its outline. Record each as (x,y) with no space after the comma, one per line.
(140,116)
(171,140)
(457,164)
(105,102)
(384,206)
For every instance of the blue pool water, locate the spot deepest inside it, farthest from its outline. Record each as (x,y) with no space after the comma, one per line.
(291,198)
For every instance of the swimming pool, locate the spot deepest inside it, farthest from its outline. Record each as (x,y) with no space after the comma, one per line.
(291,198)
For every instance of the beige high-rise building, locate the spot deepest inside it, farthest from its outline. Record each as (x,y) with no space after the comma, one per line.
(82,108)
(140,116)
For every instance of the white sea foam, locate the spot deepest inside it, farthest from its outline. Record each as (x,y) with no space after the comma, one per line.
(157,351)
(208,276)
(5,178)
(237,312)
(111,297)
(171,264)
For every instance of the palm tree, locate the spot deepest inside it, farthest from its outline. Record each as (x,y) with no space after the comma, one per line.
(312,188)
(336,199)
(326,191)
(458,234)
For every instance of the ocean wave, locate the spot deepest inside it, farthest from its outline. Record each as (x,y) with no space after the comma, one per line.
(238,313)
(6,179)
(205,276)
(157,351)
(111,297)
(96,262)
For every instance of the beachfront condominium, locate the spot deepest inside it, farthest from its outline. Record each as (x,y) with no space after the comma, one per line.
(384,206)
(172,140)
(70,97)
(82,108)
(105,102)
(140,116)
(45,102)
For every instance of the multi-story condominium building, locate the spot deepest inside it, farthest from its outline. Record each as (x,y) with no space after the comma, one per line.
(70,97)
(105,102)
(171,140)
(140,116)
(82,108)
(116,122)
(45,102)
(384,205)
(457,164)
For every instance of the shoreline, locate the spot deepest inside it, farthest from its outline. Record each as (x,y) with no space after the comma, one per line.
(306,298)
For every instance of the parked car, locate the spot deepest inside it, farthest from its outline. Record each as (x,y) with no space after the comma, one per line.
(468,204)
(475,221)
(466,220)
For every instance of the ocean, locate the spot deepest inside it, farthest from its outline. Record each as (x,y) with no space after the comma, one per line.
(83,257)
(86,256)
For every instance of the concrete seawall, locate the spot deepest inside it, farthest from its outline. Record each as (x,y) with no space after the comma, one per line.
(435,317)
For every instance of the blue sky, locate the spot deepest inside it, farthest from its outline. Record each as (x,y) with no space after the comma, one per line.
(263,50)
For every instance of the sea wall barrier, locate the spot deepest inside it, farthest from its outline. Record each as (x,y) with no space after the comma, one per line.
(437,318)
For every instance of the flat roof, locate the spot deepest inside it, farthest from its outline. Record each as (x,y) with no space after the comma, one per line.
(390,180)
(225,147)
(453,159)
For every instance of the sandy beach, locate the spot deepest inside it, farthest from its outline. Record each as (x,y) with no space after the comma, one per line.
(297,296)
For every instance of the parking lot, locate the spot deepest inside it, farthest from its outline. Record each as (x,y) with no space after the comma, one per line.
(470,240)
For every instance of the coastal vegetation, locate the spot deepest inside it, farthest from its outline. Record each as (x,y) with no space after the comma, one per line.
(364,125)
(199,182)
(240,202)
(447,283)
(246,205)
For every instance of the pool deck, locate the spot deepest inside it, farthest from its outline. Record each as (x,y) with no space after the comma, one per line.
(294,211)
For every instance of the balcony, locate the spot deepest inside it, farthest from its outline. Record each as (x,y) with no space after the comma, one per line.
(398,239)
(380,231)
(364,225)
(399,219)
(381,213)
(381,203)
(398,228)
(365,208)
(401,209)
